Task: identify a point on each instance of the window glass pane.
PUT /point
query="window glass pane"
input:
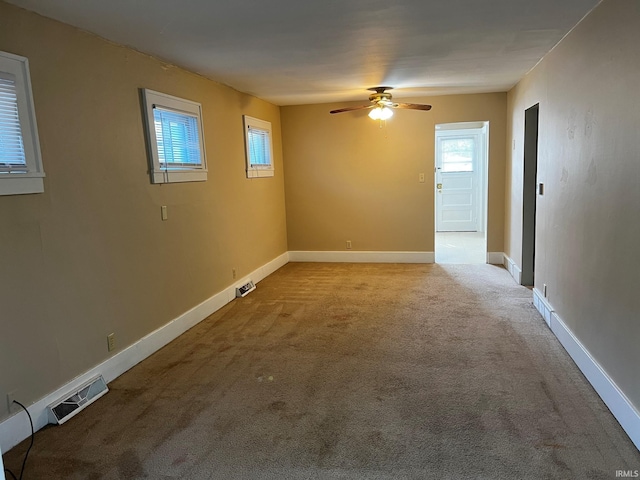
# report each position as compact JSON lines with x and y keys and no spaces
{"x":457,"y":154}
{"x":12,"y":157}
{"x":177,"y":138}
{"x":259,"y":148}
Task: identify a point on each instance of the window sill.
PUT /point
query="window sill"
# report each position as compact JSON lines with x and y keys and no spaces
{"x":260,"y":173}
{"x":178,"y":176}
{"x":16,"y":184}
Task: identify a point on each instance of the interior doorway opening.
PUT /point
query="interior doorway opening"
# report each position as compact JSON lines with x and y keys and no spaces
{"x":461,"y":182}
{"x":529,"y":187}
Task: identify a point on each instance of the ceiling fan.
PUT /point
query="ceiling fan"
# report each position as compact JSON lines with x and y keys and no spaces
{"x":381,"y":104}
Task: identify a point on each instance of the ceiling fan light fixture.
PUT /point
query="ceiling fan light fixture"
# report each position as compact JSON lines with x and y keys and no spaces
{"x":381,"y":105}
{"x":381,"y":113}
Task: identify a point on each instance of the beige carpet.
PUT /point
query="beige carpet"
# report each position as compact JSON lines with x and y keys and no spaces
{"x":343,"y":371}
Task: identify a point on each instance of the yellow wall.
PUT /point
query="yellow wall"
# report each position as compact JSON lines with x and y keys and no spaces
{"x":349,"y":179}
{"x":91,"y":255}
{"x":587,"y":225}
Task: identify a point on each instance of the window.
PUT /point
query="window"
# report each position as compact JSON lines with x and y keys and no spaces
{"x":20,"y":161}
{"x":259,"y":147}
{"x":457,"y":154}
{"x":175,"y":138}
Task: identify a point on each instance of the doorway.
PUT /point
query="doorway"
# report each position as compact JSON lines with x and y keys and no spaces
{"x":461,"y":192}
{"x":529,"y":187}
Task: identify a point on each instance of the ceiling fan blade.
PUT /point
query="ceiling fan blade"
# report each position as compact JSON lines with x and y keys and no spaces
{"x":350,"y":109}
{"x":413,"y":106}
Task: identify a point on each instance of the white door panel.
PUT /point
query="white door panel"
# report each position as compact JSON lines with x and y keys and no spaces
{"x":453,"y":201}
{"x":453,"y":216}
{"x":459,"y":181}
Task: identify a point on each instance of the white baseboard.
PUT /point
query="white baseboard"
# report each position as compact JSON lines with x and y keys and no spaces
{"x":542,"y":306}
{"x":16,"y":428}
{"x":620,"y":406}
{"x":362,"y":257}
{"x":495,"y":258}
{"x":513,"y":269}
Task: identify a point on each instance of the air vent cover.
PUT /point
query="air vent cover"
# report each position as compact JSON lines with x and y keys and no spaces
{"x":244,"y":290}
{"x":73,"y":402}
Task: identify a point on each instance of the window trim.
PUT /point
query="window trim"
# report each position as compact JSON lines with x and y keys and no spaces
{"x":258,"y":171}
{"x":31,"y":181}
{"x":178,"y":174}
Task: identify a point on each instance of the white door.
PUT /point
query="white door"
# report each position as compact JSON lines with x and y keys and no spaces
{"x":457,"y":180}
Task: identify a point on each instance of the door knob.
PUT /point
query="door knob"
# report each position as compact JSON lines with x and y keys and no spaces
{"x":439,"y":186}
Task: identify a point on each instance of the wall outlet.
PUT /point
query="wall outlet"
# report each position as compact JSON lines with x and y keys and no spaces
{"x":233,"y":272}
{"x":348,"y":244}
{"x":111,"y":342}
{"x":11,"y":396}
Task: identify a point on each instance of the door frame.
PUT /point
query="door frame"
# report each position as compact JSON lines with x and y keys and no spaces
{"x":483,"y":170}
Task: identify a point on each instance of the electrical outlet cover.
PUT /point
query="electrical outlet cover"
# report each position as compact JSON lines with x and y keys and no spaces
{"x":11,"y":396}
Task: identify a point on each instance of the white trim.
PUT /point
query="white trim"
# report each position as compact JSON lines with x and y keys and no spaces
{"x":362,"y":257}
{"x":16,"y":428}
{"x":460,"y":126}
{"x":178,"y":176}
{"x":495,"y":258}
{"x":255,"y":172}
{"x":20,"y":185}
{"x":542,"y":306}
{"x":513,"y":269}
{"x":620,"y":406}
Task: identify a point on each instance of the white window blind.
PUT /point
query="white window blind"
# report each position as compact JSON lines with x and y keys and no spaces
{"x":177,"y":139}
{"x":12,"y":156}
{"x":259,"y":146}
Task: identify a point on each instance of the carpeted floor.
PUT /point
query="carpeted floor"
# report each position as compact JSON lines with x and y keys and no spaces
{"x":350,"y":371}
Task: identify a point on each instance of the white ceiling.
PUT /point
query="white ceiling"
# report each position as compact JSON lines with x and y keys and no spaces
{"x":302,"y":51}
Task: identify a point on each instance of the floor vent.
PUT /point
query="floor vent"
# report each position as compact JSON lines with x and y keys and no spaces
{"x":73,"y":402}
{"x":243,"y":290}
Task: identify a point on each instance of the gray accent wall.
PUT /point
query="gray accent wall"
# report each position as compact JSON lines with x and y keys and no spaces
{"x":588,"y":220}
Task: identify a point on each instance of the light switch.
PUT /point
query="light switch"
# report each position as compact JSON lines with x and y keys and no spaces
{"x":163,"y":209}
{"x":421,"y":177}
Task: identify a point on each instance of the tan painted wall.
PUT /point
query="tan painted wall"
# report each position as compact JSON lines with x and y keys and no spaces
{"x":588,"y":221}
{"x":348,"y":179}
{"x":91,"y":255}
